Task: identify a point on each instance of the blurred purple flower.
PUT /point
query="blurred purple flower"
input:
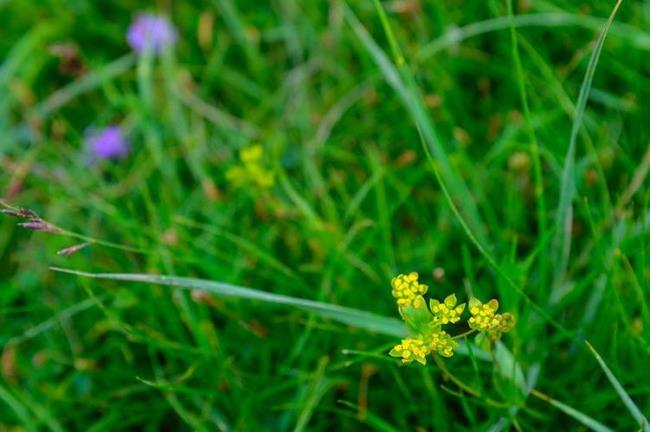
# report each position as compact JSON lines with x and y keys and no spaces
{"x":151,"y":31}
{"x":108,"y":143}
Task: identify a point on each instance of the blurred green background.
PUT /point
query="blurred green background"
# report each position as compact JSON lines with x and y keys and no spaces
{"x":486,"y":99}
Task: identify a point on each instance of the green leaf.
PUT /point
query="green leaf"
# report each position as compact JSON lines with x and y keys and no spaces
{"x":509,"y":368}
{"x":483,"y":342}
{"x":417,"y":320}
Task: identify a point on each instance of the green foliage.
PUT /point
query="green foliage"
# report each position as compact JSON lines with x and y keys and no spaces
{"x":501,"y":149}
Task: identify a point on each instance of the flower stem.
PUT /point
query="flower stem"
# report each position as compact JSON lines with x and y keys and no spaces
{"x":462,"y":335}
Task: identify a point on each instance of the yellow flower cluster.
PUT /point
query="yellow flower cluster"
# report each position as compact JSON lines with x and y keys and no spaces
{"x":447,"y":312}
{"x":419,"y":347}
{"x":411,"y":349}
{"x":425,"y":324}
{"x":408,"y":291}
{"x":506,"y":323}
{"x":251,"y":170}
{"x":443,"y":343}
{"x":484,"y":317}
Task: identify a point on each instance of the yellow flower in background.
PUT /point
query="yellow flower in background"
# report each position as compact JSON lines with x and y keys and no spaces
{"x":251,"y":171}
{"x":411,"y":349}
{"x":447,"y":312}
{"x":408,"y":291}
{"x":252,"y":154}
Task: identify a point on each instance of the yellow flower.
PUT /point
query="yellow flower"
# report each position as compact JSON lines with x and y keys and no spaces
{"x":252,"y":154}
{"x":446,"y":312}
{"x":237,"y":175}
{"x":411,"y":349}
{"x":506,"y":323}
{"x":442,"y":342}
{"x":408,"y":291}
{"x":484,"y":317}
{"x":251,"y":170}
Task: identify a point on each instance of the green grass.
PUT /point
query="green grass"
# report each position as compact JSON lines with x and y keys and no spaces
{"x":504,"y":142}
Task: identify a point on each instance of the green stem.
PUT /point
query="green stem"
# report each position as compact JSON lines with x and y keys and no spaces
{"x":466,"y":387}
{"x":467,"y":333}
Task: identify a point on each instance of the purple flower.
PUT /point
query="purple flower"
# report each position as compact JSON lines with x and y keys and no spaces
{"x":108,"y":143}
{"x":150,"y":31}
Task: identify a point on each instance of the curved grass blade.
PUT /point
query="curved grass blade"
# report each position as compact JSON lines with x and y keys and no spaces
{"x":21,"y":51}
{"x":78,"y":87}
{"x":627,"y":400}
{"x":371,"y":420}
{"x":564,"y":213}
{"x":18,"y":408}
{"x":572,"y":412}
{"x":400,"y":77}
{"x":55,"y":320}
{"x":317,"y":388}
{"x":635,"y":37}
{"x":242,"y":243}
{"x":353,"y":317}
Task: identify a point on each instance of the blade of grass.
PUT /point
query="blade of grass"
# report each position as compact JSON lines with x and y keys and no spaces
{"x":564,"y":214}
{"x":39,"y":412}
{"x":345,"y":315}
{"x":534,"y":145}
{"x":21,"y":412}
{"x":242,"y":243}
{"x":314,"y":392}
{"x":55,"y":320}
{"x":78,"y":87}
{"x":400,"y":77}
{"x":21,"y":52}
{"x":627,"y":400}
{"x":237,"y":28}
{"x":572,"y":412}
{"x":371,"y":420}
{"x":455,"y":35}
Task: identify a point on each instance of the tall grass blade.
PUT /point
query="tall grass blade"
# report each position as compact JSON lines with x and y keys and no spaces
{"x":627,"y":400}
{"x":572,"y":412}
{"x":534,"y":145}
{"x":634,"y":37}
{"x":401,"y":79}
{"x":83,"y":85}
{"x":18,"y":408}
{"x":20,"y":53}
{"x":315,"y":391}
{"x":564,"y":213}
{"x":345,"y":315}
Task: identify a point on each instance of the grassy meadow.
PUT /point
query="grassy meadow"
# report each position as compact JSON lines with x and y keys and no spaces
{"x":284,"y":161}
